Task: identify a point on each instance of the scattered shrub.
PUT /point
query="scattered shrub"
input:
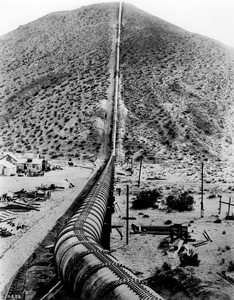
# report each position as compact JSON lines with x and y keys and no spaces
{"x":163,"y":244}
{"x":231,"y":266}
{"x":146,"y":199}
{"x":172,"y":279}
{"x":166,"y":266}
{"x":182,"y":202}
{"x":211,"y":196}
{"x":190,"y":259}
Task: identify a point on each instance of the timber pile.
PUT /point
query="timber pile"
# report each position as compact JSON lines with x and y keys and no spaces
{"x":18,"y":202}
{"x":23,"y":200}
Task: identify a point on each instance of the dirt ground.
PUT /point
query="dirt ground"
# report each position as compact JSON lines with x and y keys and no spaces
{"x":15,"y":249}
{"x":142,"y":254}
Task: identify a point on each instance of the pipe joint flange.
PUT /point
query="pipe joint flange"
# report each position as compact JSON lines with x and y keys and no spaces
{"x":111,"y":286}
{"x":88,"y":273}
{"x":74,"y":265}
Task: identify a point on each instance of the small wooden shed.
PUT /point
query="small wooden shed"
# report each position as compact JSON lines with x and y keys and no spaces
{"x":7,"y":168}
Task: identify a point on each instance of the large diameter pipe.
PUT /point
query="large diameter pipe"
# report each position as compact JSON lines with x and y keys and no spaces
{"x":87,"y":270}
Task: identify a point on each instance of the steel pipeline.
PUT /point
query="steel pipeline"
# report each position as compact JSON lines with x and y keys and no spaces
{"x":88,"y":271}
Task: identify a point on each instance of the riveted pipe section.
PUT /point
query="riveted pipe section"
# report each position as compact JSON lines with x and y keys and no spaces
{"x":87,"y":270}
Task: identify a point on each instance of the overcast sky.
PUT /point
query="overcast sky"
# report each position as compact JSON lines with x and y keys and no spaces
{"x":213,"y":18}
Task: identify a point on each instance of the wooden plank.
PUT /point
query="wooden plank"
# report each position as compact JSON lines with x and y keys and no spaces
{"x":207,"y":236}
{"x":8,"y":219}
{"x":227,"y":203}
{"x":200,"y":244}
{"x":116,"y":226}
{"x":120,"y":233}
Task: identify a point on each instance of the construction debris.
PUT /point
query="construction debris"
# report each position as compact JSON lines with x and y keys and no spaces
{"x":4,"y":232}
{"x":207,"y":236}
{"x":21,"y":201}
{"x":6,"y":216}
{"x":50,"y":187}
{"x":71,"y":185}
{"x":226,"y":277}
{"x":119,"y":229}
{"x":204,"y":242}
{"x":201,"y":243}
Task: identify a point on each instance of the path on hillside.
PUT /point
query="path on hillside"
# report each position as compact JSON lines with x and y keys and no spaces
{"x":113,"y":90}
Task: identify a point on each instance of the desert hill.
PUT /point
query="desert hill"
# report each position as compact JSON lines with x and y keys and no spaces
{"x":55,"y":82}
{"x":57,"y":78}
{"x":178,"y":90}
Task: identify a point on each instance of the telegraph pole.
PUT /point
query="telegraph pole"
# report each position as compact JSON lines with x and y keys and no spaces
{"x":139,"y":179}
{"x":202,"y":191}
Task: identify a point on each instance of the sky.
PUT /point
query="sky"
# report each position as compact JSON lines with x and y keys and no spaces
{"x":212,"y":18}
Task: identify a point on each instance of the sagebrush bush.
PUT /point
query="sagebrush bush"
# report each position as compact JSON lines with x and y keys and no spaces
{"x":190,"y":259}
{"x":166,"y":266}
{"x":181,"y":202}
{"x":164,"y":243}
{"x":231,"y":266}
{"x":146,"y":199}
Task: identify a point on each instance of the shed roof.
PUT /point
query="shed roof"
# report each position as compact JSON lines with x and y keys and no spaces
{"x":11,"y":154}
{"x":35,"y":161}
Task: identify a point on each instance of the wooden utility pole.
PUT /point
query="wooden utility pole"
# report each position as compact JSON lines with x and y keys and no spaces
{"x":139,"y":179}
{"x":202,"y":191}
{"x":127,"y":214}
{"x":220,"y":204}
{"x":229,"y":206}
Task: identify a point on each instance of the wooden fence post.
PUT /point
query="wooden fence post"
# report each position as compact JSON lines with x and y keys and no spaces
{"x":229,"y":206}
{"x":220,"y":204}
{"x":139,"y":179}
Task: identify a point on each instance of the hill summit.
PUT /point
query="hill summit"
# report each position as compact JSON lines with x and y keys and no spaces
{"x":57,"y":78}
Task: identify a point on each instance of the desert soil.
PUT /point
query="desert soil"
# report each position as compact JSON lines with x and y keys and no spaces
{"x":142,"y":254}
{"x":15,"y":250}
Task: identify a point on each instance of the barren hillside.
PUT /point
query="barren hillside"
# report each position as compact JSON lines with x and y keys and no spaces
{"x":57,"y":77}
{"x":178,"y":88}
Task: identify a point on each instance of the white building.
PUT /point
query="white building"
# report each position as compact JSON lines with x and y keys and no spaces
{"x":7,"y":168}
{"x":10,"y":157}
{"x":29,"y":165}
